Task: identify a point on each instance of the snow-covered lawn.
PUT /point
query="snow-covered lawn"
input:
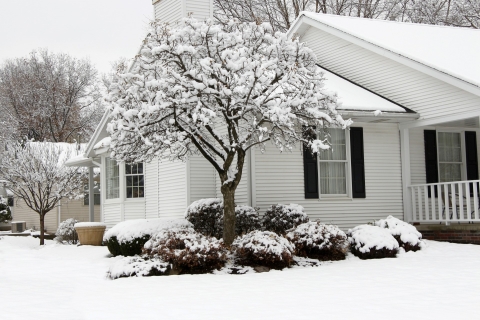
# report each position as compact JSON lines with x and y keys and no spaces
{"x":67,"y":282}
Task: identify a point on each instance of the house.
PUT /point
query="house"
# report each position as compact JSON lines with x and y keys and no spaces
{"x":413,"y":92}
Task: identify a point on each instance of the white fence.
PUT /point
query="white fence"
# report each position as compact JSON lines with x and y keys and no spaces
{"x":445,"y":202}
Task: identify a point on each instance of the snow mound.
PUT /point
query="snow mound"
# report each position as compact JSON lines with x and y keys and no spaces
{"x":365,"y":238}
{"x":405,"y":232}
{"x":89,"y":224}
{"x":131,"y":229}
{"x":137,"y":266}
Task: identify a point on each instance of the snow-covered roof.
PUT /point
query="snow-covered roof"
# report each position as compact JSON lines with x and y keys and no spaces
{"x":353,"y":97}
{"x":104,"y":143}
{"x":451,"y":50}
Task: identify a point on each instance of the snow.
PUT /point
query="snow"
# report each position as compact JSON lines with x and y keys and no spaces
{"x":89,"y":224}
{"x":131,"y":229}
{"x":442,"y":281}
{"x":451,"y":50}
{"x":104,"y":143}
{"x":353,"y":97}
{"x":265,"y":241}
{"x":397,"y":227}
{"x":366,"y":237}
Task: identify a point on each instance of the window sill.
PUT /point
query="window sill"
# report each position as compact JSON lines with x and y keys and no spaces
{"x":334,"y":198}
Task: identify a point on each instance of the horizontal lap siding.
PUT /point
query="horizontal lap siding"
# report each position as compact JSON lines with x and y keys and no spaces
{"x":200,"y":8}
{"x":134,"y":209}
{"x":202,"y":179}
{"x":168,"y":10}
{"x":77,"y":210}
{"x":112,"y":214}
{"x":279,"y":179}
{"x":172,"y":189}
{"x":23,"y":213}
{"x":413,"y":89}
{"x":241,"y":194}
{"x":151,"y":189}
{"x":417,"y":156}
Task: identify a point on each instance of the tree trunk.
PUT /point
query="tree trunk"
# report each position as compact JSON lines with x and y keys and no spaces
{"x":228,"y":215}
{"x":42,"y":228}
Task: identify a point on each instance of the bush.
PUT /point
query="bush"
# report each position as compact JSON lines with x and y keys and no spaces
{"x":128,"y":237}
{"x":5,"y":213}
{"x":319,"y":241}
{"x":371,"y":242}
{"x":66,"y":232}
{"x":206,"y":216}
{"x":138,"y":266}
{"x":406,"y":235}
{"x":279,"y":218}
{"x":187,"y":250}
{"x":263,"y":248}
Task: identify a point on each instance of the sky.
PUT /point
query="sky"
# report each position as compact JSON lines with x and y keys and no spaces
{"x":100,"y":30}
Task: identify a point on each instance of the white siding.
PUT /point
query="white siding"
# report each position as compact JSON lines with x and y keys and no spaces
{"x":168,"y":10}
{"x":112,"y":213}
{"x":241,"y":194}
{"x":77,"y":210}
{"x":200,"y":9}
{"x":172,"y":186}
{"x":279,"y":179}
{"x":134,"y":209}
{"x":151,"y":189}
{"x":202,"y":179}
{"x":417,"y":156}
{"x":23,"y":213}
{"x":413,"y":89}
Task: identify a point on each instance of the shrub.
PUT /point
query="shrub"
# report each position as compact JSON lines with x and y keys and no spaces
{"x":371,"y":242}
{"x":279,"y":218}
{"x":138,"y":266}
{"x":5,"y":213}
{"x":319,"y":241}
{"x":263,"y":248}
{"x":187,"y":250}
{"x":66,"y":232}
{"x":206,"y":216}
{"x":406,"y":235}
{"x":128,"y":237}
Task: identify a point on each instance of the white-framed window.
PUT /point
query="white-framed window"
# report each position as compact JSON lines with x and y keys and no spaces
{"x":450,"y":156}
{"x":134,"y":181}
{"x":112,"y":176}
{"x":334,"y":164}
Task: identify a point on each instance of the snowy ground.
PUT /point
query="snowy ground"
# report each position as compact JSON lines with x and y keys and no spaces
{"x":68,"y":282}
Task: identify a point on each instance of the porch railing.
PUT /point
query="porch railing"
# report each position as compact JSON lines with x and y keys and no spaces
{"x":445,"y":202}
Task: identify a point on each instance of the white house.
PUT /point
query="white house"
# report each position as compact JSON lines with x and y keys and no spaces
{"x":413,"y":92}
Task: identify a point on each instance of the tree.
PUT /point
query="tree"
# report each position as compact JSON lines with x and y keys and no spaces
{"x":218,"y":91}
{"x":36,"y":174}
{"x":49,"y":97}
{"x":5,"y":213}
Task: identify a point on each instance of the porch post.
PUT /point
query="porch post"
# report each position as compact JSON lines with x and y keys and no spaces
{"x":91,"y":195}
{"x":406,"y":173}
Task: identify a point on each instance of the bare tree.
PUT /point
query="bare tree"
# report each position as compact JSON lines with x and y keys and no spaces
{"x":36,"y":174}
{"x":51,"y":97}
{"x":218,"y":91}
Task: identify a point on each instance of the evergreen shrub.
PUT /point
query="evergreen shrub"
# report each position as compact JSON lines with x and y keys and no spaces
{"x":372,"y":242}
{"x":280,"y":217}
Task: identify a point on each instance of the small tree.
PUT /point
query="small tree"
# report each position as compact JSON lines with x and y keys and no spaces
{"x":5,"y":213}
{"x":36,"y":174}
{"x":218,"y":91}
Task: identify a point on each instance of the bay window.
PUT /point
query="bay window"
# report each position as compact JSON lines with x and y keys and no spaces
{"x":112,"y":176}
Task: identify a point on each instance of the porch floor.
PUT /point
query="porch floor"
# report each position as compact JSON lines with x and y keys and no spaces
{"x":456,"y":233}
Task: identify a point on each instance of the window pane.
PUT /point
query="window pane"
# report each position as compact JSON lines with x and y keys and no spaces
{"x":333,"y":178}
{"x":140,"y":168}
{"x":128,"y":169}
{"x":129,"y":192}
{"x":129,"y":181}
{"x":450,"y":172}
{"x":113,"y":179}
{"x":338,"y":142}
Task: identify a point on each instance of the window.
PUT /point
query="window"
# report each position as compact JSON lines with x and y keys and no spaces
{"x":134,"y":180}
{"x":333,"y":164}
{"x":450,"y":156}
{"x":112,"y":179}
{"x":96,"y":193}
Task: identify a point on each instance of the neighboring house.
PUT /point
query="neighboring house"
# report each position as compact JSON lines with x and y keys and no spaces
{"x":413,"y":92}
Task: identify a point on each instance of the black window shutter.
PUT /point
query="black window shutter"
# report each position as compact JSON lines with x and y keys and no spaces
{"x":310,"y":171}
{"x":431,"y":161}
{"x":472,"y":158}
{"x":358,"y":163}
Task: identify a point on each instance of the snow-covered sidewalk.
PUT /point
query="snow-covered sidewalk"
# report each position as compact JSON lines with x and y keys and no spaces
{"x":68,"y":282}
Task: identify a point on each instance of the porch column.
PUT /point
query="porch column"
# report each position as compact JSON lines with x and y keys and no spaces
{"x":406,"y":173}
{"x":91,"y":195}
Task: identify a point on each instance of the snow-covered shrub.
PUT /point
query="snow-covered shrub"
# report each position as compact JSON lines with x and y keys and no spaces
{"x":138,"y":266}
{"x":280,"y":217}
{"x":187,"y":250}
{"x":407,"y":235}
{"x":372,"y":242}
{"x":66,"y":232}
{"x":263,"y":248}
{"x":5,"y":213}
{"x":318,"y":241}
{"x":128,"y":237}
{"x":206,"y":215}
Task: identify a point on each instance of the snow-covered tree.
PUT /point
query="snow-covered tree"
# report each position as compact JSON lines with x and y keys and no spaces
{"x":5,"y":213}
{"x":35,"y":173}
{"x":218,"y":90}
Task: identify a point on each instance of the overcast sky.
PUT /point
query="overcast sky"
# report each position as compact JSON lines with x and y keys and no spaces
{"x":102,"y":30}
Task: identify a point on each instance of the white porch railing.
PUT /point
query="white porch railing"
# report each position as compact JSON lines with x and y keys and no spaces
{"x":445,"y":202}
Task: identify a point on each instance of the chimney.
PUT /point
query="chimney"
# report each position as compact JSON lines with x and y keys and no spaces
{"x":174,"y":10}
